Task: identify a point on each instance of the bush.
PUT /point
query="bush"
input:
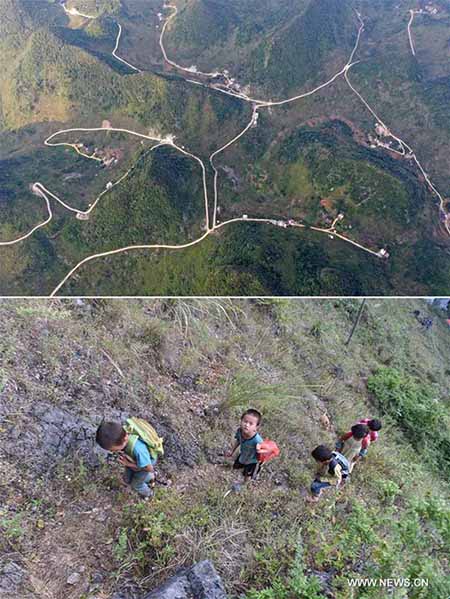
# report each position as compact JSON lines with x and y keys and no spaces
{"x":416,"y":409}
{"x":297,"y":584}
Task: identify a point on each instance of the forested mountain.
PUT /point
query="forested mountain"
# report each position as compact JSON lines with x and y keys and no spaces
{"x":70,"y":528}
{"x":276,"y":46}
{"x":321,"y":161}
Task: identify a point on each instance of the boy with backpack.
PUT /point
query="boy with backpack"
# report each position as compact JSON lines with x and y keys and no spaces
{"x":138,"y":446}
{"x":331,"y":464}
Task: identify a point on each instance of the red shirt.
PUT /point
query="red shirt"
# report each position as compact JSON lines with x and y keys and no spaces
{"x":371,"y":437}
{"x":373,"y":434}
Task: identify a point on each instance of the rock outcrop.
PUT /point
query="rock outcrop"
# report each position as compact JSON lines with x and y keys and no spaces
{"x":199,"y":582}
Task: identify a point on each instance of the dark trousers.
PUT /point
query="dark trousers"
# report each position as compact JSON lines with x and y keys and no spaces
{"x":248,"y":470}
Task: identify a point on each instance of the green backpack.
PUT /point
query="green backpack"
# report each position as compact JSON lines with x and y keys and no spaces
{"x":138,"y":428}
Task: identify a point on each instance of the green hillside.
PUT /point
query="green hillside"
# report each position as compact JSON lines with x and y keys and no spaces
{"x":95,"y":7}
{"x":57,"y":82}
{"x":192,"y":367}
{"x":309,"y":160}
{"x":261,"y":42}
{"x":52,"y":80}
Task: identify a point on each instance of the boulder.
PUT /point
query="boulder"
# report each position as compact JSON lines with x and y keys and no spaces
{"x":199,"y":582}
{"x":51,"y":434}
{"x":205,"y":582}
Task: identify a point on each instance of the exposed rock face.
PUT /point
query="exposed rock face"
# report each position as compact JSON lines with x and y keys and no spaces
{"x":51,"y":434}
{"x":205,"y":582}
{"x":13,"y":580}
{"x":199,"y":582}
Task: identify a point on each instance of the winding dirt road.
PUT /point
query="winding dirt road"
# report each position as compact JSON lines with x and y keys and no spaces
{"x":230,"y":89}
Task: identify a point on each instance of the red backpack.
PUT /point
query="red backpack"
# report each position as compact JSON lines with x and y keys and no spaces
{"x":270,"y":449}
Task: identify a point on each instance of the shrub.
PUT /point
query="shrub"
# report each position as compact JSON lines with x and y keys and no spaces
{"x":297,"y":584}
{"x":387,"y":490}
{"x":416,"y":409}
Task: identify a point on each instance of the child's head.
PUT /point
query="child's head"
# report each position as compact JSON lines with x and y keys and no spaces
{"x":111,"y":436}
{"x":322,"y":453}
{"x":249,"y":422}
{"x":359,"y":431}
{"x":374,"y":424}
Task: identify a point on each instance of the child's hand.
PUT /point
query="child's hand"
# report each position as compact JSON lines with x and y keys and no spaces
{"x":124,"y":460}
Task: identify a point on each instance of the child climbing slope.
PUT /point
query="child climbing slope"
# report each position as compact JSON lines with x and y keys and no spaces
{"x":349,"y":440}
{"x":330,"y":464}
{"x":249,"y":442}
{"x":138,"y":445}
{"x":353,"y":443}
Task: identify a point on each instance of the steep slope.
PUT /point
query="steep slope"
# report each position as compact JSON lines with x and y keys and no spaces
{"x":203,"y":24}
{"x":300,"y":52}
{"x":70,"y":529}
{"x":15,"y":23}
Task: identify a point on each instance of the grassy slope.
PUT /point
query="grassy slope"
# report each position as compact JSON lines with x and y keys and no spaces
{"x":289,"y":359}
{"x":75,"y":84}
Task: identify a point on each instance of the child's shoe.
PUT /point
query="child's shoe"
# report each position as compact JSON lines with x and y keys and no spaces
{"x":146,"y":493}
{"x":236,"y":487}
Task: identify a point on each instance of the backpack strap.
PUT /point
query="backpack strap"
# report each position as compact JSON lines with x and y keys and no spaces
{"x":147,"y":434}
{"x":132,"y":439}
